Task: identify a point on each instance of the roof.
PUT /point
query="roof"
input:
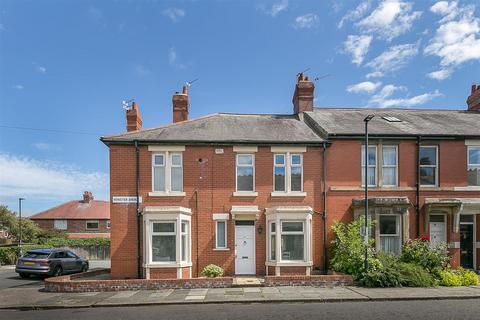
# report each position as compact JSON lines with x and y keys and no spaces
{"x":227,"y":128}
{"x":414,"y":122}
{"x":77,"y":210}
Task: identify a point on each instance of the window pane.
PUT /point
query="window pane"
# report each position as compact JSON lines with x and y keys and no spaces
{"x":474,"y":176}
{"x":389,"y":156}
{"x":184,"y":248}
{"x":245,"y":178}
{"x":245,"y":159}
{"x":390,"y":244}
{"x":466,"y":218}
{"x":280,"y":179}
{"x":159,"y":179}
{"x":474,"y":155}
{"x":296,"y":177}
{"x":163,"y":248}
{"x":92,"y":224}
{"x":177,"y":179}
{"x":184,"y":227}
{"x":176,"y":160}
{"x":388,"y":224}
{"x":296,"y":159}
{"x":292,"y":226}
{"x":221,"y":241}
{"x":280,"y":159}
{"x":272,"y":227}
{"x":292,"y":247}
{"x":372,"y":172}
{"x":427,"y":176}
{"x":390,"y":176}
{"x":372,"y":155}
{"x":428,"y":156}
{"x":272,"y":246}
{"x":164,"y":227}
{"x":159,"y":160}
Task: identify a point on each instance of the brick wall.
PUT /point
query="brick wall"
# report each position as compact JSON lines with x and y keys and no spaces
{"x":74,"y":226}
{"x":314,"y":281}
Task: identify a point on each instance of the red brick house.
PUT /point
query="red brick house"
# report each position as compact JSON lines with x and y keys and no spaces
{"x":87,"y":218}
{"x":257,"y":194}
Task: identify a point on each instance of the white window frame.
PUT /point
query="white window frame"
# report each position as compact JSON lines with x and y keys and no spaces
{"x":108,"y":224}
{"x":370,"y":166}
{"x":216,"y":235}
{"x":174,"y":233}
{"x":269,"y":240}
{"x":469,"y":165}
{"x":63,"y":222}
{"x":288,"y":171}
{"x":390,"y":166}
{"x":398,"y":230}
{"x":247,"y":166}
{"x":167,"y":163}
{"x":431,"y":166}
{"x":185,"y":233}
{"x":292,"y":233}
{"x":92,"y":221}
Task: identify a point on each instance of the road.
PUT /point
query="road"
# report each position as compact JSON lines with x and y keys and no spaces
{"x":398,"y":310}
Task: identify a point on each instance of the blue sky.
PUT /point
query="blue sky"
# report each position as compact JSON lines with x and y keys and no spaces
{"x":67,"y":65}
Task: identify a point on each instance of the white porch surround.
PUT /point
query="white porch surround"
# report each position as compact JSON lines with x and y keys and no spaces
{"x":245,"y":212}
{"x":289,"y":213}
{"x":453,"y":206}
{"x":175,"y":214}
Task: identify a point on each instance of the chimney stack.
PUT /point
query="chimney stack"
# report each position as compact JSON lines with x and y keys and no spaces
{"x":134,"y":119}
{"x":303,"y":95}
{"x":180,"y":105}
{"x":87,"y":197}
{"x":473,"y":100}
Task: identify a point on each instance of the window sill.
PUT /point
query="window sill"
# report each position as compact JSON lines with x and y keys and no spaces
{"x":166,"y":194}
{"x":289,"y":264}
{"x":221,"y":249}
{"x":245,"y":194}
{"x":288,"y":194}
{"x":467,"y":188}
{"x":167,"y":264}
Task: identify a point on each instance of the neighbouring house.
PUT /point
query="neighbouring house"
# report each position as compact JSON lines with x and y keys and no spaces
{"x":257,"y":194}
{"x":86,"y":218}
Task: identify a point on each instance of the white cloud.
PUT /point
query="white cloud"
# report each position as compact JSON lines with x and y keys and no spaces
{"x":41,"y":69}
{"x":457,"y":39}
{"x":275,"y":9}
{"x":356,"y":13}
{"x":18,"y":87}
{"x":306,"y":21}
{"x":95,"y":13}
{"x":172,"y":56}
{"x":46,"y":180}
{"x":358,"y":47}
{"x":384,"y":98}
{"x":392,"y":59}
{"x":141,"y":70}
{"x":174,"y":14}
{"x":374,"y":74}
{"x":44,"y":146}
{"x":390,"y":19}
{"x":366,"y":86}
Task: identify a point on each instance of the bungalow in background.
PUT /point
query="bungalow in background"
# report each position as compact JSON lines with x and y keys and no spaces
{"x":87,"y":218}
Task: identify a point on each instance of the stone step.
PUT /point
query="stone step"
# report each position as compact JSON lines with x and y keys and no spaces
{"x":241,"y":282}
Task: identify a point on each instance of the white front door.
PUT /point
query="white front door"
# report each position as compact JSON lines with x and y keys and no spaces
{"x":244,"y":249}
{"x":437,"y":229}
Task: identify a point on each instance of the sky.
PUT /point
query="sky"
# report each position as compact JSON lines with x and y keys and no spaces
{"x":66,"y":66}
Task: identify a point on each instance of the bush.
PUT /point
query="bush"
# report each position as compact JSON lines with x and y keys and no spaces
{"x":9,"y":255}
{"x":212,"y":271}
{"x":414,"y":275}
{"x":349,"y":249}
{"x":77,"y":242}
{"x":420,"y":252}
{"x":458,"y":277}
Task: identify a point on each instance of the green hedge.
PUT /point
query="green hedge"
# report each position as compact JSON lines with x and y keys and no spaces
{"x":9,"y":255}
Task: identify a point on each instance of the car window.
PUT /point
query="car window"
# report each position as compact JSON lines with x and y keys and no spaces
{"x":71,"y":255}
{"x":60,"y":255}
{"x":36,"y":255}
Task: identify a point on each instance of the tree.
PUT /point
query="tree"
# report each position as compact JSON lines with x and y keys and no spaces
{"x":10,"y":222}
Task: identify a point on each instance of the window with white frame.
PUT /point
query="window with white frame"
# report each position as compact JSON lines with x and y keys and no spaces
{"x":109,"y":224}
{"x":389,"y":166}
{"x":167,"y":172}
{"x":92,"y":224}
{"x":428,"y":166}
{"x":288,"y":172}
{"x":245,"y":172}
{"x":293,"y":240}
{"x":60,"y":224}
{"x":474,"y":165}
{"x":220,"y":234}
{"x":185,"y":249}
{"x":164,"y":241}
{"x":390,"y":233}
{"x":372,"y":166}
{"x":272,"y":241}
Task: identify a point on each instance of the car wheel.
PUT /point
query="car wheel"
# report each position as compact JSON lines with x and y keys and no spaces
{"x":85,"y":268}
{"x":57,"y":271}
{"x":24,"y":275}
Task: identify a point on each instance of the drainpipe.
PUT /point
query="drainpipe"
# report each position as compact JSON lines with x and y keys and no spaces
{"x":417,"y":189}
{"x":139,"y":216}
{"x":324,"y":214}
{"x":196,"y":231}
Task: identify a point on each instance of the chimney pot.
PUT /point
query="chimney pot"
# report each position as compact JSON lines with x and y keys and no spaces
{"x":87,"y":197}
{"x":473,"y":100}
{"x":303,"y":95}
{"x":134,"y":119}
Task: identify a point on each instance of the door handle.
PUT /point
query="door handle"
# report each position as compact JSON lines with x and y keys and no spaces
{"x":244,"y":257}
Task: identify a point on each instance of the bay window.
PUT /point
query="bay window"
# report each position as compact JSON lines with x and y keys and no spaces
{"x":390,"y":233}
{"x":474,"y":165}
{"x":288,"y":172}
{"x":272,"y":242}
{"x":428,"y":166}
{"x":185,"y":252}
{"x":164,"y":242}
{"x":245,"y":169}
{"x":292,"y":235}
{"x":167,"y":172}
{"x":372,"y":166}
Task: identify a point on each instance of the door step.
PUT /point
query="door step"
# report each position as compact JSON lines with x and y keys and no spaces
{"x":247,"y":282}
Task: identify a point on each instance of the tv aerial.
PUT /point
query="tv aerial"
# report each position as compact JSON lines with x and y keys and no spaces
{"x":189,"y":83}
{"x":322,"y":77}
{"x":127,"y":104}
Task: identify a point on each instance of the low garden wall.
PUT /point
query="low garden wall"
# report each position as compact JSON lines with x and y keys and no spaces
{"x":335,"y":280}
{"x":81,"y":283}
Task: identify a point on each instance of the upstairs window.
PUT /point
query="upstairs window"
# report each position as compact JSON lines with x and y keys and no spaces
{"x":288,"y":172}
{"x":389,"y":166}
{"x":428,"y":166}
{"x":245,"y":172}
{"x":474,"y":166}
{"x":167,"y":171}
{"x":372,"y":166}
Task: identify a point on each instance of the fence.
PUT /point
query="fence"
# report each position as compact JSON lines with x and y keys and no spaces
{"x":91,"y":253}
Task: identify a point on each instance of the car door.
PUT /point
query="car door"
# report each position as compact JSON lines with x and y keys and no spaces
{"x":76,"y":262}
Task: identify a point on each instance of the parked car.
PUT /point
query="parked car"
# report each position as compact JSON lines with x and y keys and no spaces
{"x":50,"y":262}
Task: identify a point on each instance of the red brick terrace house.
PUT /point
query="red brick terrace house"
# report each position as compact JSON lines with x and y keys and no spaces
{"x":87,"y":218}
{"x":257,"y":194}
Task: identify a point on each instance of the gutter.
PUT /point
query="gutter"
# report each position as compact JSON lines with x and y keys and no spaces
{"x":139,"y":215}
{"x":324,"y":214}
{"x":417,"y":189}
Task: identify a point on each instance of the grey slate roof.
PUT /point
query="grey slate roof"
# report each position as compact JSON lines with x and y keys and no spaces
{"x":424,"y":122}
{"x":227,"y":128}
